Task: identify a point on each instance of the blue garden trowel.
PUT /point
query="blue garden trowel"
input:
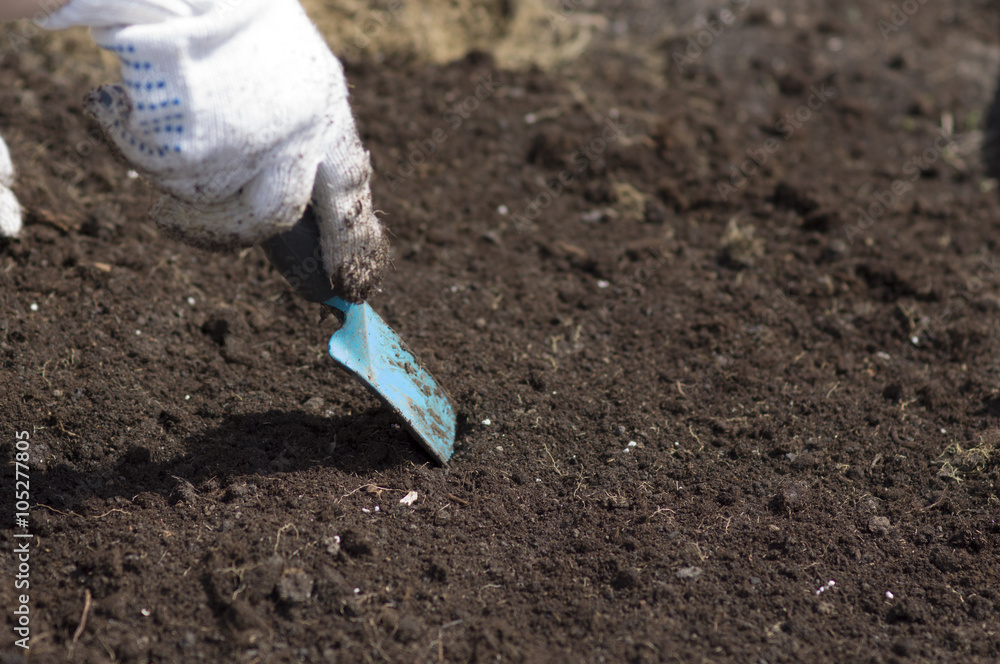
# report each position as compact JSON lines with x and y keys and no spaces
{"x":366,"y":346}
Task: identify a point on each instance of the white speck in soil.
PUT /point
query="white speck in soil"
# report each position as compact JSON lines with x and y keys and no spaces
{"x":822,"y":589}
{"x":332,"y":544}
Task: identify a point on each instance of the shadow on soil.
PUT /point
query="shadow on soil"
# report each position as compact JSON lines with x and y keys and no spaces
{"x":258,"y":444}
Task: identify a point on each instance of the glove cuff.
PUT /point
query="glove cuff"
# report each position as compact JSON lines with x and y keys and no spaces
{"x":355,"y":248}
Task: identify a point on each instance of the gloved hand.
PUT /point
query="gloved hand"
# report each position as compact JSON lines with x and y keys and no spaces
{"x":237,"y":111}
{"x":10,"y":210}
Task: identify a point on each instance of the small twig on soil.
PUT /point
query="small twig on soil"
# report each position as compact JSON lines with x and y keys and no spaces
{"x":695,"y":436}
{"x":66,"y":431}
{"x":439,"y":642}
{"x":558,"y":472}
{"x":60,"y":221}
{"x":52,"y":509}
{"x":479,"y":595}
{"x":545,"y":114}
{"x":107,"y":648}
{"x":554,"y":340}
{"x":371,"y":631}
{"x":101,"y":516}
{"x":458,"y":500}
{"x":934,"y":504}
{"x":370,"y":488}
{"x":277,"y":540}
{"x":83,"y":622}
{"x":662,"y":509}
{"x":580,"y":97}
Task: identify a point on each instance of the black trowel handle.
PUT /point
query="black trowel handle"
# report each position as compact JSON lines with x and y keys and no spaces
{"x":297,"y":255}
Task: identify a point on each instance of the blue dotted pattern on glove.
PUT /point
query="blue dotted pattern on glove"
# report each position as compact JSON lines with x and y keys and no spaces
{"x":162,"y":111}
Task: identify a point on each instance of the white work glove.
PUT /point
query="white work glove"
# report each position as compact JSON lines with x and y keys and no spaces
{"x":237,"y":111}
{"x":10,"y":210}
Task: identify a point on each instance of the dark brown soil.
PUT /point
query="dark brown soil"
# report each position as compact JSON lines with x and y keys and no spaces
{"x":704,"y":416}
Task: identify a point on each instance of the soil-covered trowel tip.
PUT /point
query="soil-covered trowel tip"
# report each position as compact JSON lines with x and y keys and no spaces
{"x":365,"y":346}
